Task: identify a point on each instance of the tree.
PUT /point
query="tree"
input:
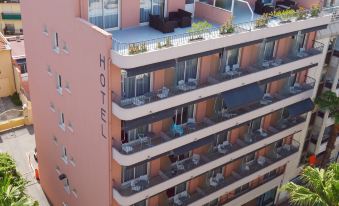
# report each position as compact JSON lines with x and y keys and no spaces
{"x":320,"y":187}
{"x":12,"y":185}
{"x":329,"y":101}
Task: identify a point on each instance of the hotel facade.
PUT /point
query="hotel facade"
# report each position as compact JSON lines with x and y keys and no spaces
{"x":133,"y":105}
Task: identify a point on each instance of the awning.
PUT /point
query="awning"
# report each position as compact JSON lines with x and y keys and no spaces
{"x":300,"y":108}
{"x":281,"y":36}
{"x":243,"y":95}
{"x":288,"y":74}
{"x":131,"y":124}
{"x":193,"y":145}
{"x":193,"y":56}
{"x":317,"y":28}
{"x":150,"y":68}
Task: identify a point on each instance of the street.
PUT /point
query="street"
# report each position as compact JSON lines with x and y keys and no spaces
{"x":20,"y":144}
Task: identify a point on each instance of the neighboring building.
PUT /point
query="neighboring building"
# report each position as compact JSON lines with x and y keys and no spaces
{"x":10,"y":17}
{"x":127,"y":115}
{"x":13,"y":73}
{"x":321,"y":121}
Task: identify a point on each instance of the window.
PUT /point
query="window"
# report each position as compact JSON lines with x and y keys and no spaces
{"x":242,"y":188}
{"x":141,"y":203}
{"x":57,"y":169}
{"x":59,"y":84}
{"x":45,"y":30}
{"x":135,"y":86}
{"x":104,"y":13}
{"x":64,"y":154}
{"x":134,"y":134}
{"x":49,"y":70}
{"x":268,"y":50}
{"x":56,"y":42}
{"x":255,"y":125}
{"x":147,"y":7}
{"x":221,"y":137}
{"x":133,"y":172}
{"x":180,"y":188}
{"x":55,"y":140}
{"x":186,"y":71}
{"x":62,"y":121}
{"x":51,"y":106}
{"x":214,"y":172}
{"x":68,"y":87}
{"x":66,"y":185}
{"x":184,"y":114}
{"x":229,"y":58}
{"x":249,"y":158}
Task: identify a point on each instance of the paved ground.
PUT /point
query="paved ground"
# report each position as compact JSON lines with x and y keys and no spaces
{"x":20,"y":144}
{"x":8,"y":110}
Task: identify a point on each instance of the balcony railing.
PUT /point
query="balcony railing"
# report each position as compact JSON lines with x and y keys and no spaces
{"x":220,"y":77}
{"x":189,"y":37}
{"x":245,"y":171}
{"x":151,"y":140}
{"x":186,"y":165}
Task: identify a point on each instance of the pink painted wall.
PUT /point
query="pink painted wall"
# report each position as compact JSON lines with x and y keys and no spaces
{"x":309,"y":3}
{"x":211,"y":13}
{"x":91,"y":175}
{"x":130,"y":13}
{"x":174,"y":5}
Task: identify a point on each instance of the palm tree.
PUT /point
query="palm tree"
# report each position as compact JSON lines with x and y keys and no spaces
{"x":320,"y":187}
{"x":11,"y":195}
{"x":329,"y":101}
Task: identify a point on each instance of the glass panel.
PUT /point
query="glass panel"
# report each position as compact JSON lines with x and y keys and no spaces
{"x":225,"y":4}
{"x":158,"y":7}
{"x":141,"y":203}
{"x":183,"y":114}
{"x":111,"y":10}
{"x":186,"y":70}
{"x":95,"y":12}
{"x":249,"y":158}
{"x":135,"y":86}
{"x":137,"y":133}
{"x":145,"y":10}
{"x":141,"y":170}
{"x":232,"y":56}
{"x":269,"y":50}
{"x":128,"y":174}
{"x":180,"y":188}
{"x":255,"y":124}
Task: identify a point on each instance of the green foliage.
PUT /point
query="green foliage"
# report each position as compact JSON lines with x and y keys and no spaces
{"x":321,"y":187}
{"x":329,"y":101}
{"x":315,"y":10}
{"x":301,"y":13}
{"x":227,"y":27}
{"x":262,"y":21}
{"x":167,"y":43}
{"x":137,"y":48}
{"x":12,"y":185}
{"x":198,"y":29}
{"x":285,"y":15}
{"x":15,"y":98}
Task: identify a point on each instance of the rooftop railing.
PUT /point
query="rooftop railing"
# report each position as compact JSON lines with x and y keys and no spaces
{"x":132,"y":48}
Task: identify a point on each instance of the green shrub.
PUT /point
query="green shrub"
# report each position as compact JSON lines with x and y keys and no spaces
{"x":15,"y":98}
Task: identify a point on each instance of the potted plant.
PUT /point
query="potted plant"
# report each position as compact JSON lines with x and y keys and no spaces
{"x":301,"y":14}
{"x":136,"y":48}
{"x":227,"y":27}
{"x":315,"y":10}
{"x":262,"y":21}
{"x":167,"y":43}
{"x":198,"y":29}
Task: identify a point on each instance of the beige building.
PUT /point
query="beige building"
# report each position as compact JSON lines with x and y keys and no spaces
{"x":10,"y":17}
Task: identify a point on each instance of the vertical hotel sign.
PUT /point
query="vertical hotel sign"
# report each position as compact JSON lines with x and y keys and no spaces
{"x":103,"y":95}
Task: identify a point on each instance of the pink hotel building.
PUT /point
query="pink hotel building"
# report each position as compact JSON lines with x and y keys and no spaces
{"x":131,"y":107}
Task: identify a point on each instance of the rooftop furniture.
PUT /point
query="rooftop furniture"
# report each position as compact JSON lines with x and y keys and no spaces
{"x":162,"y":24}
{"x":181,"y":17}
{"x":177,"y":129}
{"x":263,"y":6}
{"x":195,"y":159}
{"x":287,"y":4}
{"x":163,"y":93}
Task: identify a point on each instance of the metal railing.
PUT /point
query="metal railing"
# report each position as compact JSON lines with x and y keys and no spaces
{"x":334,"y":11}
{"x":132,"y":48}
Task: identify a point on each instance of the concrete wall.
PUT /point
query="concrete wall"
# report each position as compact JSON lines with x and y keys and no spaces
{"x":7,"y":84}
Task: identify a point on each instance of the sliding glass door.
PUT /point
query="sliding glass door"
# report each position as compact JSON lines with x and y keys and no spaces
{"x":135,"y":86}
{"x":229,"y":58}
{"x":104,"y":13}
{"x":186,"y":70}
{"x":147,"y":7}
{"x":132,"y":172}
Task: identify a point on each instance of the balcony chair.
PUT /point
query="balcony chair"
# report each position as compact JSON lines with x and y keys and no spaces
{"x":144,"y":178}
{"x":191,"y":124}
{"x":261,"y":160}
{"x":219,"y":177}
{"x":221,"y":149}
{"x":134,"y":186}
{"x":177,"y":129}
{"x":162,"y":24}
{"x":127,"y":148}
{"x":179,"y":165}
{"x":195,"y":159}
{"x":164,"y":91}
{"x":245,"y":168}
{"x":138,"y":101}
{"x":192,"y":83}
{"x":176,"y":200}
{"x":213,"y":182}
{"x":262,"y":132}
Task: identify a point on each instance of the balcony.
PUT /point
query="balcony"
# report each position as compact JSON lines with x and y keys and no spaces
{"x":181,"y":43}
{"x":152,"y":146}
{"x":151,"y":102}
{"x":167,"y":178}
{"x":243,"y":176}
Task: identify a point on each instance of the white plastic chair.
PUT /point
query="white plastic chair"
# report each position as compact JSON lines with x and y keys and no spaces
{"x":164,"y":93}
{"x":219,"y":177}
{"x":236,"y":67}
{"x":261,"y":160}
{"x":221,"y":149}
{"x":227,"y":68}
{"x":144,"y":178}
{"x":213,"y":182}
{"x":195,"y":159}
{"x":127,"y":148}
{"x":176,"y":200}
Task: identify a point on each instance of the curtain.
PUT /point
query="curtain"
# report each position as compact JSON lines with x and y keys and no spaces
{"x":256,"y":124}
{"x":186,"y":70}
{"x":233,"y":56}
{"x":136,"y":86}
{"x":158,"y":7}
{"x":145,"y":10}
{"x":269,"y":50}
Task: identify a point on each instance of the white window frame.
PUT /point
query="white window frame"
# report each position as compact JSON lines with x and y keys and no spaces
{"x":67,"y":185}
{"x":64,"y":156}
{"x":59,"y":84}
{"x":62,"y":121}
{"x":56,"y":42}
